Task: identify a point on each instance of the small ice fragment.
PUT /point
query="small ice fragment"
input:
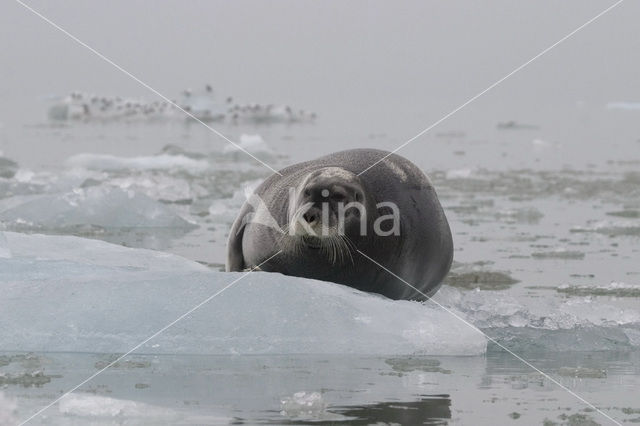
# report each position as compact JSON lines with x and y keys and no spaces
{"x":303,"y":404}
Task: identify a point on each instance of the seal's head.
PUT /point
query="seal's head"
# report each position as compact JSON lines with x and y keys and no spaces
{"x":327,"y":210}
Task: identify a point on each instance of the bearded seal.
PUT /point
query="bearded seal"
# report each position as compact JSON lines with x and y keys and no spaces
{"x":324,"y":215}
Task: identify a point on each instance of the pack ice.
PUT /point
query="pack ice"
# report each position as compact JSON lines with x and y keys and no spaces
{"x":62,"y":293}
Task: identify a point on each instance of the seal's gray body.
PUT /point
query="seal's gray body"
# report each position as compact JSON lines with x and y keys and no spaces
{"x":421,"y":255}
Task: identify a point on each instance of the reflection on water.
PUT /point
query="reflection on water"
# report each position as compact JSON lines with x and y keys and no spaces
{"x":430,"y":410}
{"x":323,"y":390}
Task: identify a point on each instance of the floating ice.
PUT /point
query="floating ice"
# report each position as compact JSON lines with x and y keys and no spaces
{"x":251,"y":143}
{"x":102,"y":206}
{"x":567,"y":325}
{"x":102,"y":406}
{"x":303,"y":403}
{"x":520,"y":215}
{"x":73,"y":294}
{"x":97,"y":409}
{"x":153,"y":162}
{"x":612,"y":229}
{"x":226,"y":209}
{"x":459,"y":173}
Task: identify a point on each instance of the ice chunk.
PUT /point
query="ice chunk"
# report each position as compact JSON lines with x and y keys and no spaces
{"x":73,"y":294}
{"x":102,"y":206}
{"x":459,"y":173}
{"x":303,"y":403}
{"x":226,"y":209}
{"x":102,"y":406}
{"x":152,"y":162}
{"x":548,"y":324}
{"x":161,"y":186}
{"x":494,"y":310}
{"x":612,"y":229}
{"x":251,"y":143}
{"x":97,"y":409}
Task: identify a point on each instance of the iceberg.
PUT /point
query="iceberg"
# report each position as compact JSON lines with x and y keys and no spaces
{"x":62,"y":293}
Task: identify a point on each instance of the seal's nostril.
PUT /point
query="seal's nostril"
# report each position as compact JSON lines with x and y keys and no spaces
{"x":309,"y":217}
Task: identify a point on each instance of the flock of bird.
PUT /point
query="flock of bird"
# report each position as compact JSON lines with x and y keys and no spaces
{"x":195,"y":105}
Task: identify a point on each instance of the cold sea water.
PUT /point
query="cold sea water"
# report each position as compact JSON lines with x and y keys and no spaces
{"x":115,"y":209}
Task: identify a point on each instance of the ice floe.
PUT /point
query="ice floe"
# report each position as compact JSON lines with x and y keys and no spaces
{"x":549,"y":324}
{"x":102,"y":406}
{"x":303,"y":404}
{"x":152,"y":162}
{"x":74,"y":294}
{"x":106,"y":298}
{"x":98,"y":206}
{"x":251,"y":143}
